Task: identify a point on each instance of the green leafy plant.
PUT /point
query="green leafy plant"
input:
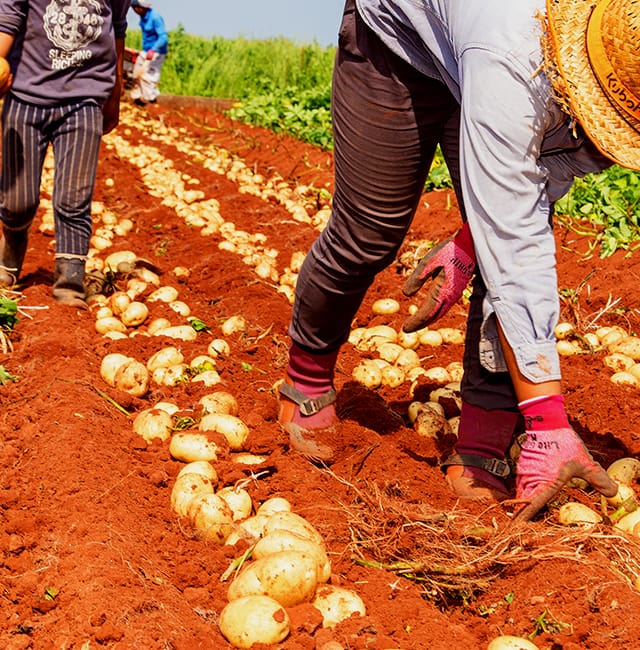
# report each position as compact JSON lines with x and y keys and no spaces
{"x":604,"y":207}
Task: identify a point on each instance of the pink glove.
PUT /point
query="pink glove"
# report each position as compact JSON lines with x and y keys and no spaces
{"x":150,"y":54}
{"x":450,"y":265}
{"x":553,"y":456}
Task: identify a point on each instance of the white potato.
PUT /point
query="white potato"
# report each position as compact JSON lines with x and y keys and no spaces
{"x":118,"y":302}
{"x":233,"y":324}
{"x":452,"y":335}
{"x":508,"y":642}
{"x":273,"y":505}
{"x":207,"y":377}
{"x":109,"y":366}
{"x":185,"y":488}
{"x":385,"y":306}
{"x":254,"y":619}
{"x":368,"y":374}
{"x":219,"y":402}
{"x":132,"y":377}
{"x":190,"y":447}
{"x":153,"y":424}
{"x":165,"y":358}
{"x":181,"y":332}
{"x":286,"y":540}
{"x":110,"y":324}
{"x":249,"y":530}
{"x":290,"y":577}
{"x":287,"y":520}
{"x":211,"y":517}
{"x":624,"y":470}
{"x":163,"y":294}
{"x":219,"y":348}
{"x":573,"y":513}
{"x":135,"y":314}
{"x":230,"y":426}
{"x":202,"y":467}
{"x":158,"y":324}
{"x":238,"y":500}
{"x":337,"y":604}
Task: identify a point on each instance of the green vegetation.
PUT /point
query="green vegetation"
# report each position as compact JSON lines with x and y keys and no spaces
{"x":286,"y":87}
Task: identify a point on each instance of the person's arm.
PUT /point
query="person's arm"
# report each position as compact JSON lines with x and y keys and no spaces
{"x":162,"y":38}
{"x":111,"y":108}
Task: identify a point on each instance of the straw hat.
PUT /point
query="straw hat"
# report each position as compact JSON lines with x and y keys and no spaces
{"x":592,"y":52}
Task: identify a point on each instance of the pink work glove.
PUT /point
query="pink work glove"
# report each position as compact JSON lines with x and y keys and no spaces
{"x":551,"y":455}
{"x":150,"y":54}
{"x":450,"y":265}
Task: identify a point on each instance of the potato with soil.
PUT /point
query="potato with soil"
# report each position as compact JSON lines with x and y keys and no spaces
{"x":290,"y":577}
{"x":254,"y":619}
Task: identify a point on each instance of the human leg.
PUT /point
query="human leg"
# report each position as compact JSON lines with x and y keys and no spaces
{"x":387,"y":120}
{"x":76,"y":143}
{"x":489,"y":418}
{"x":24,"y":146}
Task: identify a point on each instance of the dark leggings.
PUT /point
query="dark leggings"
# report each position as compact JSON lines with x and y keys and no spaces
{"x":388,"y":119}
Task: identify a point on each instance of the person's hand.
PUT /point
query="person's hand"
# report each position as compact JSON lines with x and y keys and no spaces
{"x":548,"y":461}
{"x":450,"y":266}
{"x":150,"y":54}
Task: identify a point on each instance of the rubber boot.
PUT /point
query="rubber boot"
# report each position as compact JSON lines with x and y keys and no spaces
{"x":13,"y":247}
{"x":68,"y":282}
{"x":478,"y":468}
{"x":307,"y":412}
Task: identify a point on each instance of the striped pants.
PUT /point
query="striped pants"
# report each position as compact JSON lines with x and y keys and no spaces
{"x":74,"y":131}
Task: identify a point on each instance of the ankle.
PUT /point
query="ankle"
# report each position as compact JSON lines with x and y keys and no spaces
{"x":310,"y":373}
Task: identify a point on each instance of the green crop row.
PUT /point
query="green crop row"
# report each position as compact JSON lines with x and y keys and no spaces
{"x":286,"y":87}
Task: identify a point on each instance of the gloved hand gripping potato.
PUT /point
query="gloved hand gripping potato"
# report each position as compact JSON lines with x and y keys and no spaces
{"x":450,"y":266}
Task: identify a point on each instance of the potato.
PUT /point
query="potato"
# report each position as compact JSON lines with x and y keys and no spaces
{"x":368,"y":374}
{"x":385,"y":306}
{"x":625,"y":379}
{"x":392,"y":376}
{"x":163,"y":294}
{"x":407,"y":360}
{"x":181,"y":332}
{"x":249,"y":530}
{"x":165,"y":358}
{"x":273,"y":505}
{"x":185,"y":488}
{"x":287,"y":520}
{"x":618,"y":362}
{"x":110,"y":324}
{"x":507,"y":642}
{"x":135,"y":314}
{"x":118,"y":302}
{"x":207,"y":377}
{"x":158,"y":324}
{"x":169,"y":407}
{"x":564,"y":330}
{"x":230,"y":426}
{"x":233,"y":324}
{"x":238,"y":500}
{"x":202,"y":467}
{"x":452,"y":335}
{"x":577,"y":514}
{"x":153,"y":424}
{"x":628,"y":346}
{"x":211,"y":517}
{"x":132,"y":377}
{"x":429,"y":423}
{"x":110,"y":365}
{"x":337,"y":604}
{"x":430,"y":337}
{"x":219,"y":348}
{"x":286,"y":540}
{"x":389,"y":351}
{"x":625,"y":493}
{"x":290,"y":577}
{"x":624,"y":470}
{"x":113,"y":260}
{"x":254,"y":619}
{"x":219,"y":402}
{"x":190,"y":447}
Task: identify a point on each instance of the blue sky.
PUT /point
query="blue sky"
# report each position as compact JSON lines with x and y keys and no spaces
{"x":302,"y":21}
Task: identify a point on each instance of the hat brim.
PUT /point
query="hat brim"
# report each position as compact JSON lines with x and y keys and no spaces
{"x":615,"y":135}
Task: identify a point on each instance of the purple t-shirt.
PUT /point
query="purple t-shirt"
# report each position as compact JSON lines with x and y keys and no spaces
{"x":64,"y":50}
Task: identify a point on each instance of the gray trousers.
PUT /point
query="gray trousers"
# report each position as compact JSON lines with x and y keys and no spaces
{"x":388,"y":120}
{"x":74,"y":131}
